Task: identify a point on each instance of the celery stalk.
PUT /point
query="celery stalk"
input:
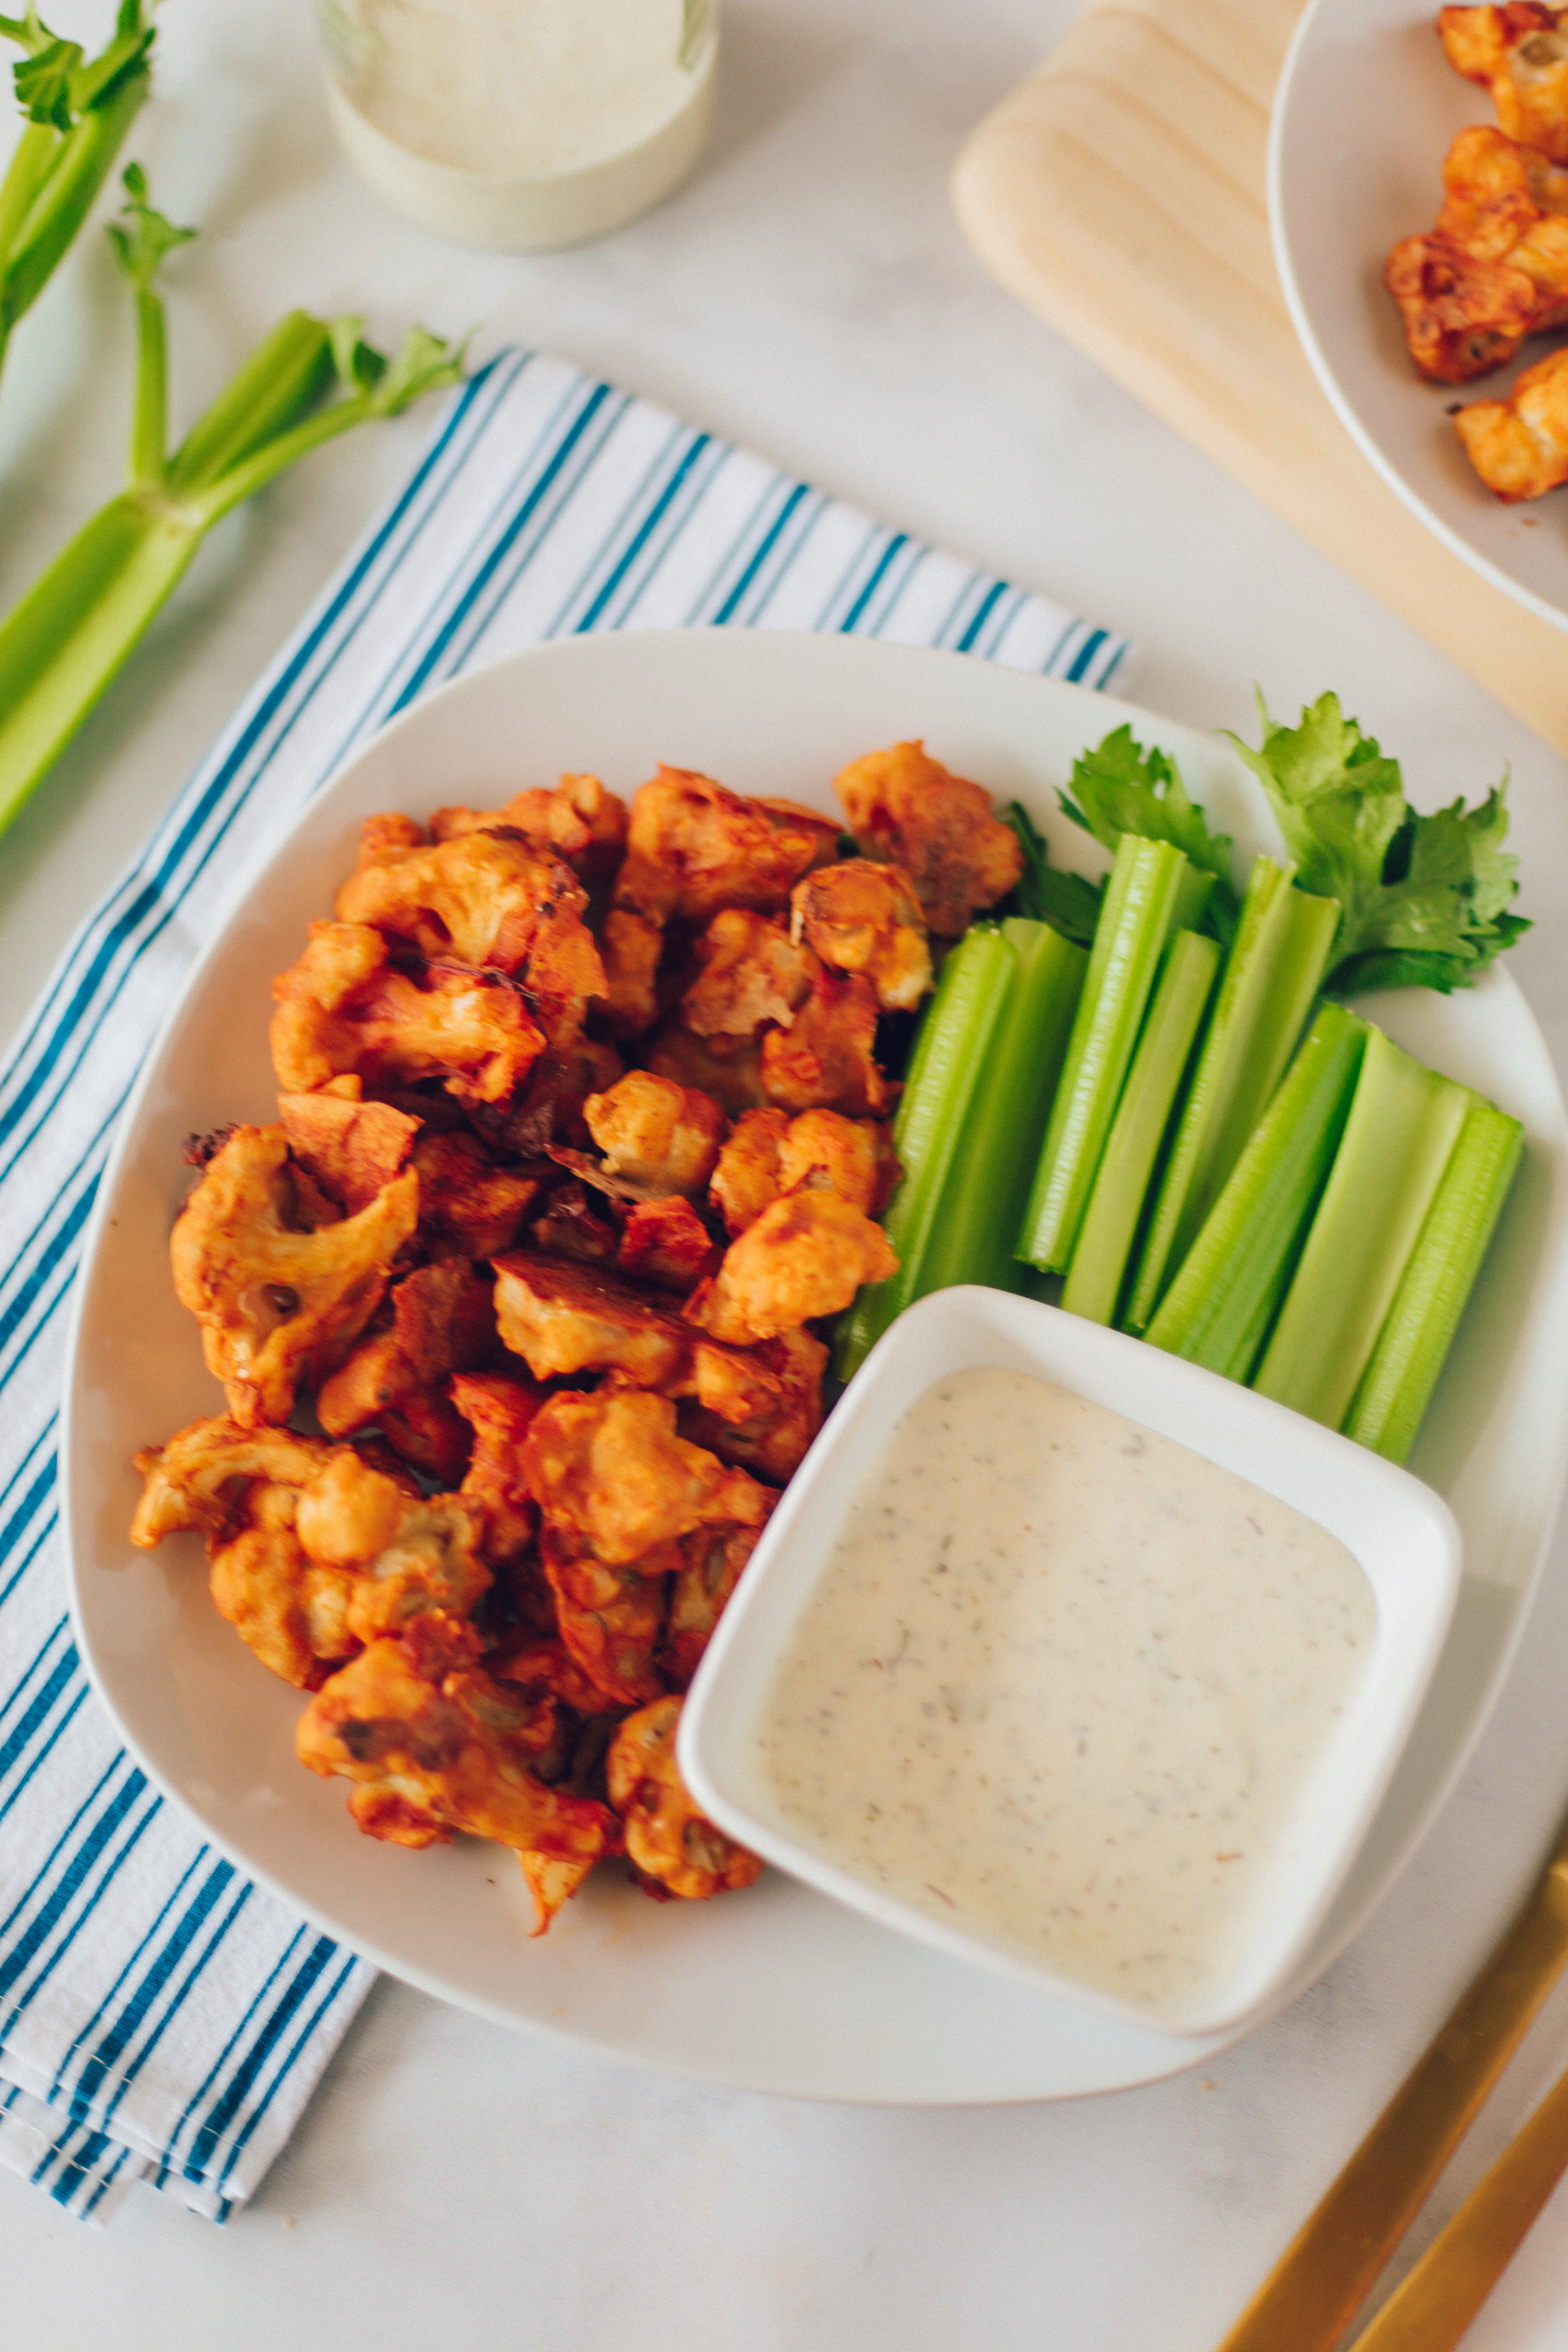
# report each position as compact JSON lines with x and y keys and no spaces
{"x":981,"y":1203}
{"x":944,"y":1071}
{"x":1141,"y":899}
{"x":1271,"y":974}
{"x":1193,"y":898}
{"x":1397,"y":1384}
{"x":60,"y":647}
{"x":1219,"y":1310}
{"x":1121,"y":1182}
{"x":1403,"y":1123}
{"x":78,"y":111}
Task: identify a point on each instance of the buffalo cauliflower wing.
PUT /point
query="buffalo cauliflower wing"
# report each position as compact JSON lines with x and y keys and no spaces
{"x":693,"y":848}
{"x":1495,"y":268}
{"x":434,"y":1743}
{"x":1519,"y":445}
{"x":670,"y":1841}
{"x":806,"y":1256}
{"x":862,"y":917}
{"x":1519,"y":53}
{"x":280,"y":1309}
{"x":905,"y":808}
{"x":611,"y":1468}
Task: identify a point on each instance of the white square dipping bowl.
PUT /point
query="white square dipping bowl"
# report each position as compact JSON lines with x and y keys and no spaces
{"x":1403,"y":1535}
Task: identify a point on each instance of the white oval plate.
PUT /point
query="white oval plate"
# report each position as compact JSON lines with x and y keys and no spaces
{"x":778,"y":1990}
{"x":1365,"y":111}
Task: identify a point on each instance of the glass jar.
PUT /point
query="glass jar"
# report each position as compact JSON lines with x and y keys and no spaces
{"x":520,"y":124}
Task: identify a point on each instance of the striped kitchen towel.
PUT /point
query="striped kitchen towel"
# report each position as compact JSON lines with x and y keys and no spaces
{"x":159,"y":2017}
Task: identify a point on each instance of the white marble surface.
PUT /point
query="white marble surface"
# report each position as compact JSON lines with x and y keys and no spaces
{"x":808,"y":293}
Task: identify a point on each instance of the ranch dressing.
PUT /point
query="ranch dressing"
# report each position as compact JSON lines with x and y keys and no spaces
{"x":520,"y":124}
{"x":1062,"y":1683}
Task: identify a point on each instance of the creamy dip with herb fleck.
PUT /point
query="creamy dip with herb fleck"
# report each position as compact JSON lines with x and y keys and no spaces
{"x":1061,"y":1684}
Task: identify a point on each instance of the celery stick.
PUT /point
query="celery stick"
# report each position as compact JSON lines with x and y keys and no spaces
{"x":1397,"y":1384}
{"x":1121,"y":1183}
{"x":1271,"y":974}
{"x":78,"y":112}
{"x":1217,"y":1311}
{"x":63,"y":642}
{"x":981,"y":1203}
{"x":1403,"y":1123}
{"x":60,"y":647}
{"x":944,"y":1071}
{"x":1135,"y":919}
{"x":1192,"y":899}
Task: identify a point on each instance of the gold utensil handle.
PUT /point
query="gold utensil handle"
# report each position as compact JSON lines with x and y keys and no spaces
{"x":1314,"y":2291}
{"x":1431,"y":2309}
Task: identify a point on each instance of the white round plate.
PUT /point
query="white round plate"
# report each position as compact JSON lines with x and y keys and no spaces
{"x":777,"y":1989}
{"x":1366,"y":110}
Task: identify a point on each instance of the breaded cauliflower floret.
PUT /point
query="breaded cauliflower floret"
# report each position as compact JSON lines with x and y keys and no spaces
{"x":826,"y":1060}
{"x":862,"y":917}
{"x":280,"y":1309}
{"x":667,"y":1837}
{"x":905,"y":808}
{"x":443,"y":1322}
{"x":343,"y":1011}
{"x":1495,"y":268}
{"x":693,"y":847}
{"x":434,"y":1743}
{"x":610,"y":1467}
{"x":752,"y":971}
{"x":659,"y":1136}
{"x":579,"y":820}
{"x":1519,"y":53}
{"x":1519,"y":445}
{"x":806,"y":1256}
{"x":611,"y":1617}
{"x":491,"y":901}
{"x":768,"y":1154}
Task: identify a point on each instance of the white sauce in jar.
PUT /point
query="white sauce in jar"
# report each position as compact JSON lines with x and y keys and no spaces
{"x":1062,"y":1683}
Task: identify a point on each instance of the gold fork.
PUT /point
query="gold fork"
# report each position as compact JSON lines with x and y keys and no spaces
{"x":1315,"y":2289}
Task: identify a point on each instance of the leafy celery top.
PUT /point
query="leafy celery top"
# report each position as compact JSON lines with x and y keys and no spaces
{"x":1424,"y":900}
{"x":77,"y":111}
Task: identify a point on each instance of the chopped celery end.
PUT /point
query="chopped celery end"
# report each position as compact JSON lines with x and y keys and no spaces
{"x":1140,"y":905}
{"x":1403,"y":1123}
{"x":1271,"y":974}
{"x":944,"y":1070}
{"x":1397,"y":1384}
{"x":1122,"y":1184}
{"x":982,"y":1205}
{"x":1217,"y":1311}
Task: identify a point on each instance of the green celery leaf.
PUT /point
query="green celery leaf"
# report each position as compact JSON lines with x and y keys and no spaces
{"x":1121,"y":788}
{"x":1338,"y":800}
{"x":44,"y":83}
{"x":1067,"y":902}
{"x":1423,"y":899}
{"x":55,"y":84}
{"x":1359,"y":975}
{"x":140,"y":250}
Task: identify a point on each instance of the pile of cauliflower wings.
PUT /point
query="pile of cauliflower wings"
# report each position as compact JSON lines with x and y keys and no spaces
{"x":1492,"y":272}
{"x":518,"y":1307}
